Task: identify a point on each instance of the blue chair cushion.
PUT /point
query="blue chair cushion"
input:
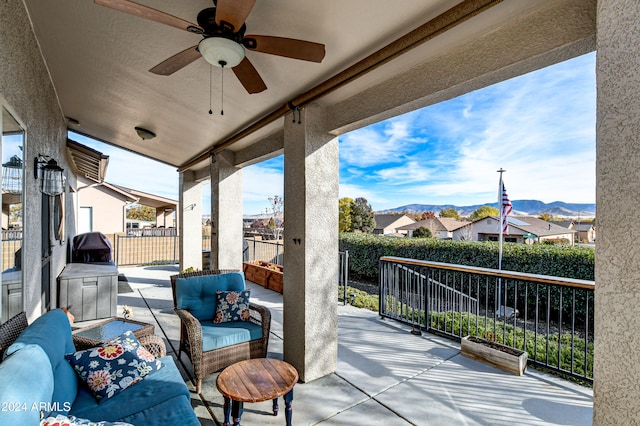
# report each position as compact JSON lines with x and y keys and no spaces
{"x":198,"y":294}
{"x":161,"y":386}
{"x":220,"y":335}
{"x":26,"y":386}
{"x":52,"y":332}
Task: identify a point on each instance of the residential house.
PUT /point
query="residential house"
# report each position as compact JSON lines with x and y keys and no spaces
{"x":442,"y":228}
{"x":522,"y":229}
{"x":102,"y":207}
{"x":390,"y":224}
{"x":586,"y":231}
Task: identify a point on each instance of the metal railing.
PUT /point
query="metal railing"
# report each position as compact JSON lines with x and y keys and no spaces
{"x":550,"y":318}
{"x":269,"y":251}
{"x":343,"y":278}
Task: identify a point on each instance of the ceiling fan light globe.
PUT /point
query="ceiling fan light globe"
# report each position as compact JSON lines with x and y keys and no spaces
{"x":220,"y":51}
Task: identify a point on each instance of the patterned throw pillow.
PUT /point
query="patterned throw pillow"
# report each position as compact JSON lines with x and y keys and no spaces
{"x":61,"y":420}
{"x":232,"y":306}
{"x":110,"y":368}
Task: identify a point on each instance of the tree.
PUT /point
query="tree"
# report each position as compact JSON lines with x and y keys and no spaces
{"x":139,"y":212}
{"x":362,"y":217}
{"x":450,"y":212}
{"x":275,"y":210}
{"x":546,"y":216}
{"x":344,"y":211}
{"x":482,"y":212}
{"x":422,"y":232}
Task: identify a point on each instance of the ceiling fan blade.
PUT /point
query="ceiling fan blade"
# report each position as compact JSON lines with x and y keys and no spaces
{"x":233,"y":12}
{"x":177,"y":61}
{"x":249,"y":77}
{"x":149,"y":13}
{"x":287,"y":47}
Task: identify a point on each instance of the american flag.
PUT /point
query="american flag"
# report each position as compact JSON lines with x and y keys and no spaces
{"x":505,"y":210}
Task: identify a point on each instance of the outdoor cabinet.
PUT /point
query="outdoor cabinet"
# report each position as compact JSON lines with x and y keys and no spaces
{"x":11,"y":294}
{"x":89,"y":291}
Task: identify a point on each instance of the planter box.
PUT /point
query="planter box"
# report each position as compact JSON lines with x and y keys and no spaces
{"x":255,"y":273}
{"x":266,"y":274}
{"x":275,"y":281}
{"x":508,"y":359}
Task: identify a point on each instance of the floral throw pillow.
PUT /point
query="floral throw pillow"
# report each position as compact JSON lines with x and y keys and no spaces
{"x":110,"y":368}
{"x":232,"y":306}
{"x":61,"y":420}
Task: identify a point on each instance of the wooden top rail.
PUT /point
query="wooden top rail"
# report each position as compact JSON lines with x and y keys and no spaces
{"x":542,"y":279}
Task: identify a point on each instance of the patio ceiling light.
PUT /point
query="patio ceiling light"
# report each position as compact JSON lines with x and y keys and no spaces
{"x":144,"y":133}
{"x":221,"y":52}
{"x":52,"y":175}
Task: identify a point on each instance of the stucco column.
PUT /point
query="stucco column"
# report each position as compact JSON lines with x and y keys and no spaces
{"x":190,"y":221}
{"x":617,"y":293}
{"x":311,"y":245}
{"x":226,"y":212}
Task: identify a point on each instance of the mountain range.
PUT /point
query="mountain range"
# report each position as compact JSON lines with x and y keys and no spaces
{"x":520,"y":208}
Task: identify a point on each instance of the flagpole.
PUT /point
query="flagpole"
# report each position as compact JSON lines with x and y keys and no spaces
{"x":501,"y":171}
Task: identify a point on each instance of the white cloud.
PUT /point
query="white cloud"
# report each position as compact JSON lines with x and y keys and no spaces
{"x":411,"y":171}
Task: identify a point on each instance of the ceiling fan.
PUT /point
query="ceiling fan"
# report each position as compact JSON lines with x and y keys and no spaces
{"x":224,"y":41}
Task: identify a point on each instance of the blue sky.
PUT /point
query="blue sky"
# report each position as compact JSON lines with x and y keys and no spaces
{"x":540,"y":127}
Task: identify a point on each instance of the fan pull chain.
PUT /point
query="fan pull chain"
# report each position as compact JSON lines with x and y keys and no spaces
{"x":210,"y":88}
{"x":222,"y":64}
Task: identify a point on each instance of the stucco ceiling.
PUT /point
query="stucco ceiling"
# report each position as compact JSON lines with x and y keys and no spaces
{"x":99,"y":61}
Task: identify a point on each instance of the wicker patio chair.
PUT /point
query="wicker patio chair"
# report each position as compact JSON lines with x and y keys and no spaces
{"x":205,"y":363}
{"x":10,"y":330}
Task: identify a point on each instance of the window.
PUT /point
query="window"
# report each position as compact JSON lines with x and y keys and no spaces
{"x":85,"y":220}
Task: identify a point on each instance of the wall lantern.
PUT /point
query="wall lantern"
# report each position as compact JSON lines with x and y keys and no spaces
{"x":12,"y":176}
{"x":52,"y":175}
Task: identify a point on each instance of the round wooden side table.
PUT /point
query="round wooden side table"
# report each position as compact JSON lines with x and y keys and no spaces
{"x":256,"y":380}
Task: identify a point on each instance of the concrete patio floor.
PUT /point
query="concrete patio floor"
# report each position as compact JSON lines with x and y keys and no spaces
{"x":385,"y":375}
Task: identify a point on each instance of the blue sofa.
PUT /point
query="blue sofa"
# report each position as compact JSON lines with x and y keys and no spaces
{"x":36,"y":380}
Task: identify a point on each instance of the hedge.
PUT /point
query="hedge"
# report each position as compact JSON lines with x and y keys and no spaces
{"x":569,"y":262}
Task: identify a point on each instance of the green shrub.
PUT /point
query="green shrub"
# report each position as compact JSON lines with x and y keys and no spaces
{"x":365,"y":250}
{"x":362,"y":299}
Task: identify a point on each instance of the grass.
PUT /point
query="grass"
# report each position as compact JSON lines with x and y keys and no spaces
{"x":362,"y":298}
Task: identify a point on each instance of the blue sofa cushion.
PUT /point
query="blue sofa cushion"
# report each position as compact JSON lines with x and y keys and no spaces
{"x":220,"y":335}
{"x":198,"y":294}
{"x":52,"y":332}
{"x":161,"y":386}
{"x":176,"y":411}
{"x":112,"y":367}
{"x":232,"y":306}
{"x":26,"y":386}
